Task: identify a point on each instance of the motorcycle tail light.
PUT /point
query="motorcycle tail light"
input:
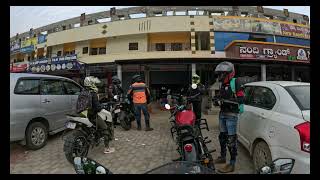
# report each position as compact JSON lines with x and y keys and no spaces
{"x":188,"y":147}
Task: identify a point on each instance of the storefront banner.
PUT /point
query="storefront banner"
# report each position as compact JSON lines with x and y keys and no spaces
{"x":29,"y":42}
{"x":18,"y":67}
{"x":15,"y":47}
{"x":42,"y":38}
{"x":27,"y":49}
{"x":259,"y":26}
{"x":296,"y":31}
{"x":55,"y":64}
{"x":268,"y":52}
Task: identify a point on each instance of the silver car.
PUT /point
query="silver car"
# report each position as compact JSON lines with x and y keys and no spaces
{"x":38,"y":104}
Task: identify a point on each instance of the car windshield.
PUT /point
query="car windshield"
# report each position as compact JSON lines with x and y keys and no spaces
{"x":301,"y":95}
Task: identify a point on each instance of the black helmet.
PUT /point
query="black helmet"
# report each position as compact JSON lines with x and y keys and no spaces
{"x":225,"y":71}
{"x":115,"y":80}
{"x":136,"y":78}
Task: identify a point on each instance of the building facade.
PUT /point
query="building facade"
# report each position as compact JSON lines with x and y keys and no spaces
{"x":166,"y":44}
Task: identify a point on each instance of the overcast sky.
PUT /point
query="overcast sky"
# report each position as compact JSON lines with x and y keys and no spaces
{"x":22,"y":18}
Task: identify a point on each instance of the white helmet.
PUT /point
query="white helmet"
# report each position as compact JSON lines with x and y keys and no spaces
{"x":100,"y":170}
{"x":91,"y":82}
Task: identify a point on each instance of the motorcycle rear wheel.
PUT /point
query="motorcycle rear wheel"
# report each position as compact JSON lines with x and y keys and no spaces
{"x":125,"y":122}
{"x":75,"y":145}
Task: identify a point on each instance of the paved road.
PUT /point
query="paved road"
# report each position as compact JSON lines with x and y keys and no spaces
{"x":136,"y":151}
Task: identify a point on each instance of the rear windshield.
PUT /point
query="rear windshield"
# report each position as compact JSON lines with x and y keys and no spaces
{"x":301,"y":95}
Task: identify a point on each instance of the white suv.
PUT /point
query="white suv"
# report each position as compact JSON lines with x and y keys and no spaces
{"x":276,"y":123}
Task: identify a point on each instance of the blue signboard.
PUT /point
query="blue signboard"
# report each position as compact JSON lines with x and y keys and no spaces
{"x":42,"y":38}
{"x":15,"y":47}
{"x":55,"y":64}
{"x":27,"y":49}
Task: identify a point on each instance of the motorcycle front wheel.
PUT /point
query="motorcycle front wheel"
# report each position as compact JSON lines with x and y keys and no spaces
{"x":75,"y":145}
{"x":125,"y":122}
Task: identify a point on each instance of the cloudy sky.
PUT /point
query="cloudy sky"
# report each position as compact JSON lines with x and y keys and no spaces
{"x":22,"y":18}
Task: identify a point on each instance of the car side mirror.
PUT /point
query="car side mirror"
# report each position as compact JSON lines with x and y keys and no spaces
{"x":84,"y":165}
{"x":279,"y":166}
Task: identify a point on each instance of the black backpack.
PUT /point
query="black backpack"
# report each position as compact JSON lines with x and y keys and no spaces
{"x":84,"y":101}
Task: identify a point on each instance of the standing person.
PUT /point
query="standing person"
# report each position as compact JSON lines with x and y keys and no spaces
{"x":196,"y":95}
{"x":115,"y":89}
{"x":92,"y":108}
{"x":163,"y":97}
{"x":140,"y":95}
{"x":230,"y":99}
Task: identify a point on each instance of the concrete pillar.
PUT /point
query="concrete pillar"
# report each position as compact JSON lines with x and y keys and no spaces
{"x":119,"y":72}
{"x":263,"y":72}
{"x":293,"y":73}
{"x":193,"y":70}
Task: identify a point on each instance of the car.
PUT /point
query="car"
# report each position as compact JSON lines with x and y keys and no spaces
{"x":38,"y":104}
{"x":276,"y":123}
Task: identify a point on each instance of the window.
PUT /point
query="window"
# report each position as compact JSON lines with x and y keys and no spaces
{"x":133,"y":46}
{"x":59,"y":53}
{"x":90,"y":22}
{"x":85,"y":50}
{"x":202,"y":41}
{"x":93,"y":51}
{"x":301,"y":95}
{"x":247,"y":94}
{"x":160,"y":46}
{"x":294,"y":21}
{"x":64,"y":27}
{"x":51,"y":87}
{"x":27,"y":86}
{"x":71,"y":88}
{"x":176,"y":47}
{"x":262,"y":97}
{"x":30,"y":58}
{"x":102,"y":50}
{"x":256,"y":37}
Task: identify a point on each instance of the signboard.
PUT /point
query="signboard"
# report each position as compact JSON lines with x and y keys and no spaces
{"x":55,"y":64}
{"x":29,"y":42}
{"x":42,"y":38}
{"x":260,"y":26}
{"x":18,"y":67}
{"x":296,"y":31}
{"x":15,"y":47}
{"x":268,"y":51}
{"x":27,"y":49}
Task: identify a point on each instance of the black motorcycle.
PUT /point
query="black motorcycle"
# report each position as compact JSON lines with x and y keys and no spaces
{"x":186,"y":131}
{"x":81,"y":133}
{"x":84,"y":165}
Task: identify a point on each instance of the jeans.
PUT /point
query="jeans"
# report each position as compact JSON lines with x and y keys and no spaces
{"x":228,"y":124}
{"x":138,"y":108}
{"x":197,"y":109}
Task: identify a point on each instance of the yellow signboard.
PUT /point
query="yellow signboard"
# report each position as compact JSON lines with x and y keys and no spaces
{"x":29,"y":42}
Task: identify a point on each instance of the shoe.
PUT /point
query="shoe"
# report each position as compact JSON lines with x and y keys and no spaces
{"x":139,"y":128}
{"x":220,"y":160}
{"x":149,"y":129}
{"x":226,"y":169}
{"x":109,"y":150}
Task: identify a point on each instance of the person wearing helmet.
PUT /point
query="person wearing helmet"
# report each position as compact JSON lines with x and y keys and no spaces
{"x":195,"y":95}
{"x":230,"y":100}
{"x":140,"y":95}
{"x":90,"y":84}
{"x":115,"y":89}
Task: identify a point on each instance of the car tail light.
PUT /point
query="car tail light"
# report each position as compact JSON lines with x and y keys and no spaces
{"x":304,"y":132}
{"x":188,"y":147}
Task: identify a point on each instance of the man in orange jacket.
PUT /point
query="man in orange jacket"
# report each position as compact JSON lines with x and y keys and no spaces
{"x":140,"y":95}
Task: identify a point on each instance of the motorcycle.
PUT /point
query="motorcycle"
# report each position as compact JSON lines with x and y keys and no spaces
{"x":188,"y":136}
{"x":84,"y":165}
{"x":124,"y":111}
{"x":83,"y":133}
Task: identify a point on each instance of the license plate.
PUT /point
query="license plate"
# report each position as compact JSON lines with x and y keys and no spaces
{"x":117,"y":111}
{"x":71,"y":125}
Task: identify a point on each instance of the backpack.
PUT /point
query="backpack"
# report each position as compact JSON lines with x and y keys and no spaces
{"x":237,"y":91}
{"x":84,"y":101}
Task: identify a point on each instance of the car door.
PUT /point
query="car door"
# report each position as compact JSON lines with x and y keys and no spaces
{"x":54,"y":102}
{"x":258,"y":112}
{"x":72,"y":91}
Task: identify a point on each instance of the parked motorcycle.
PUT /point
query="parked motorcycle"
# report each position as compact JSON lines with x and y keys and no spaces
{"x":83,"y":133}
{"x":187,"y":130}
{"x":84,"y":165}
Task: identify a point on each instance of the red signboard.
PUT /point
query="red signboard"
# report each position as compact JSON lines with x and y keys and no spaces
{"x":18,"y":67}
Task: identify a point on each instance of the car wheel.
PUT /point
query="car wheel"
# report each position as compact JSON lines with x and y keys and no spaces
{"x":36,"y":135}
{"x":261,"y":155}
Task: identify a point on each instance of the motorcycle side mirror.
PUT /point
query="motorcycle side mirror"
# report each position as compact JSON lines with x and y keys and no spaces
{"x":279,"y":166}
{"x":115,"y":97}
{"x":167,"y":106}
{"x":194,"y":86}
{"x":84,"y":165}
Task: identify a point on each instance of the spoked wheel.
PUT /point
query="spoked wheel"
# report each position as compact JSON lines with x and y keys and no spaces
{"x":75,"y":145}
